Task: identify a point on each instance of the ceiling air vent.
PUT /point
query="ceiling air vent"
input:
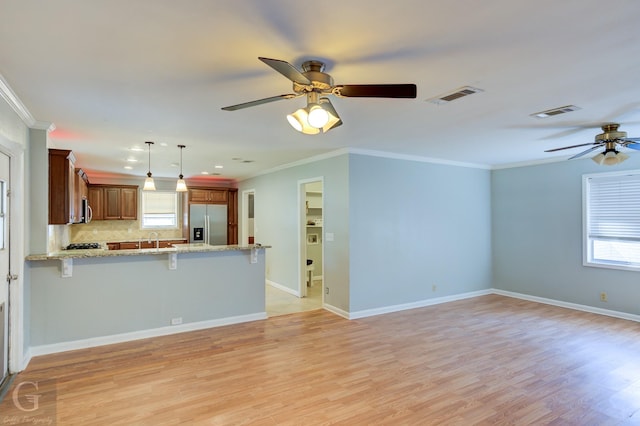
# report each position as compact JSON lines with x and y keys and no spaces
{"x":452,"y":96}
{"x":555,"y":111}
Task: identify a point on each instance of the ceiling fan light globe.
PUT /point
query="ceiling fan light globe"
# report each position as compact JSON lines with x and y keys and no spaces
{"x":318,"y":117}
{"x":297,"y":119}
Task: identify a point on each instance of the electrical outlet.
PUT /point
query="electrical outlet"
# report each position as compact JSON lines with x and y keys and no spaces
{"x":326,"y":290}
{"x":176,"y":321}
{"x":603,"y":297}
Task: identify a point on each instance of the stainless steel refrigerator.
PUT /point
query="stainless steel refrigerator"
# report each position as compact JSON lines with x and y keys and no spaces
{"x":208,"y":223}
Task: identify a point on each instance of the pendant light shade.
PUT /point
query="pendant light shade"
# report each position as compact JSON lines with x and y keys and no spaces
{"x":149,"y":185}
{"x":181,"y":185}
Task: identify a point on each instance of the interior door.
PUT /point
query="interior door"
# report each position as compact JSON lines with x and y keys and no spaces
{"x":4,"y":266}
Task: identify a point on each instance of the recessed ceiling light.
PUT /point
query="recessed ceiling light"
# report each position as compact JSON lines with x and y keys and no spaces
{"x":204,"y":173}
{"x":175,"y":164}
{"x":128,"y":167}
{"x":136,"y":149}
{"x":163,"y":144}
{"x":218,"y":166}
{"x":132,"y":160}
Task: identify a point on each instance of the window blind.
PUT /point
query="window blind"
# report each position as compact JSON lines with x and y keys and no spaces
{"x":614,"y":207}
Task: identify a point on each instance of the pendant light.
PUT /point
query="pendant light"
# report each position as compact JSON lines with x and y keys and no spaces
{"x":181,"y":185}
{"x":149,"y":185}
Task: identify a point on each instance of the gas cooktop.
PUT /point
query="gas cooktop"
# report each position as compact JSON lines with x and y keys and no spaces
{"x":83,"y":246}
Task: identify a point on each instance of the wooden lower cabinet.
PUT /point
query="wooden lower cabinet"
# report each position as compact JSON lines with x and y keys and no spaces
{"x":143,"y":244}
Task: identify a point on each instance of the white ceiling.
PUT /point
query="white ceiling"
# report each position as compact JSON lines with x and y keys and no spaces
{"x":112,"y":74}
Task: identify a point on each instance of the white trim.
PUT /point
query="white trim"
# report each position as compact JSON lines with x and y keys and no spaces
{"x":144,"y":334}
{"x":14,"y":102}
{"x":337,"y":311}
{"x":406,"y":157}
{"x":283,"y":288}
{"x":568,"y":305}
{"x":531,"y":163}
{"x":304,"y":161}
{"x":244,"y":218}
{"x":417,"y":304}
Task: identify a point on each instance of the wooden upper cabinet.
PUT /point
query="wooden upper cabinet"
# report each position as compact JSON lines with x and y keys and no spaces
{"x":96,"y":202}
{"x":129,"y":203}
{"x":114,"y":202}
{"x":62,"y":208}
{"x":208,"y":195}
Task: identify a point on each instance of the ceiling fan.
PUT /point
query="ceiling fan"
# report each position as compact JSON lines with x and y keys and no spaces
{"x":609,"y":138}
{"x":312,"y":82}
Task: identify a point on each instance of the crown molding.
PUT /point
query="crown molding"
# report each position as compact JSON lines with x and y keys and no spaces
{"x":25,"y":115}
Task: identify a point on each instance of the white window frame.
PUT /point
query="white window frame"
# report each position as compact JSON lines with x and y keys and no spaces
{"x":587,"y":250}
{"x":176,"y":211}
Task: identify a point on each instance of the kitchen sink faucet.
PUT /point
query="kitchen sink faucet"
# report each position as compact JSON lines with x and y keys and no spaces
{"x":157,"y":239}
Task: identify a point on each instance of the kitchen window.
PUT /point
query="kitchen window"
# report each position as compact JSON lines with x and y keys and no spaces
{"x":611,"y":210}
{"x":159,"y":209}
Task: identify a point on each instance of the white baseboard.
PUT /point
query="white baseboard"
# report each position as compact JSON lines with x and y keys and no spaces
{"x":414,"y":305}
{"x":337,"y":311}
{"x":283,"y":288}
{"x":143,"y":334}
{"x":569,"y":305}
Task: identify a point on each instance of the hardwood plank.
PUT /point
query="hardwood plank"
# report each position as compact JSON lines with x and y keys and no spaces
{"x":487,"y":360}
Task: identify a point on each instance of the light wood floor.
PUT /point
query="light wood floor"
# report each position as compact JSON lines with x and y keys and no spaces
{"x":488,"y":360}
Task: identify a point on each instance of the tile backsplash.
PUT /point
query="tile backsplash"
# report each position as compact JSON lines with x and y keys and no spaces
{"x":102,"y":231}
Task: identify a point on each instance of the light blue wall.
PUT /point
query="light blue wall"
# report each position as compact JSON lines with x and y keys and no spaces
{"x":413,"y":225}
{"x":537,"y":237}
{"x":276,"y":219}
{"x":108,"y":296}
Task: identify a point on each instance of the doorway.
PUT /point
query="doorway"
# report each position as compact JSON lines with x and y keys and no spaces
{"x":312,"y":239}
{"x":4,"y":267}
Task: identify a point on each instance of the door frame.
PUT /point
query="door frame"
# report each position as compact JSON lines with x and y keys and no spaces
{"x":17,"y":201}
{"x":244,"y":221}
{"x":302,"y":236}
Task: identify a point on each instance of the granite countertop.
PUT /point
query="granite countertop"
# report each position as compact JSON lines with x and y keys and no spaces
{"x":177,"y":248}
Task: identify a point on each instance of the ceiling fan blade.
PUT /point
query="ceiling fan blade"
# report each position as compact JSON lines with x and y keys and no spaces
{"x":377,"y":90}
{"x":574,"y":146}
{"x":632,"y":139}
{"x":586,"y":151}
{"x":259,"y":102}
{"x":286,"y":69}
{"x":631,"y":144}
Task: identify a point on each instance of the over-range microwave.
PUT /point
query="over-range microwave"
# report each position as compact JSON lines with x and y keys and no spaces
{"x":87,"y":213}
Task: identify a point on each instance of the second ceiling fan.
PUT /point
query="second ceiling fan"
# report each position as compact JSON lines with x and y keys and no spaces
{"x":312,"y":82}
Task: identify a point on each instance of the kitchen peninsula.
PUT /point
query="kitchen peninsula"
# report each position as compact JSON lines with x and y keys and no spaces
{"x":84,"y":298}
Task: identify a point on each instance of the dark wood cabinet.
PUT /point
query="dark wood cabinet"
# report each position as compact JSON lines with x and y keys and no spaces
{"x":208,"y":195}
{"x":114,"y":202}
{"x":96,"y":202}
{"x":144,"y":244}
{"x":232,"y":217}
{"x":62,"y":205}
